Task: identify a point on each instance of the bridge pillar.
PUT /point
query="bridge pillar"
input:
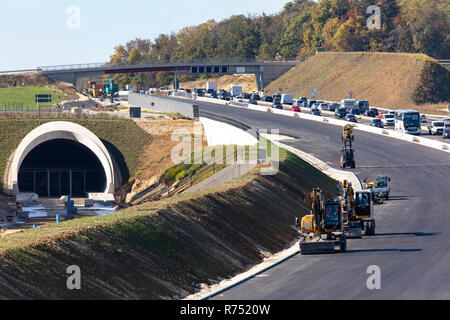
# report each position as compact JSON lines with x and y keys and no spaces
{"x":260,"y":80}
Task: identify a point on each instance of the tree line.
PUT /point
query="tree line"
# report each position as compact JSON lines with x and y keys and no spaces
{"x":297,"y":31}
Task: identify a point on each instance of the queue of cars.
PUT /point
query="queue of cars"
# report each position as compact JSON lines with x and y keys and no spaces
{"x":406,"y":121}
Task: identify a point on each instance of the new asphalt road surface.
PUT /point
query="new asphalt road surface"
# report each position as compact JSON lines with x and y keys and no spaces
{"x":412,"y":243}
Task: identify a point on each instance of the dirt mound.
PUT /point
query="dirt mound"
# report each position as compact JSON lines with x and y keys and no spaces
{"x":247,"y":81}
{"x":158,"y":156}
{"x":25,"y":80}
{"x":387,"y":80}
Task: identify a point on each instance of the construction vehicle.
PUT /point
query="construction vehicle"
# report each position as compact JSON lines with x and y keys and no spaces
{"x":97,"y":90}
{"x":111,"y":89}
{"x":378,"y":187}
{"x":348,"y":153}
{"x":321,"y":231}
{"x":357,"y":211}
{"x":87,"y":89}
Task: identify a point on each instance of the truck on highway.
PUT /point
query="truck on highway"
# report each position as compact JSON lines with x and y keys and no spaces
{"x":211,"y":87}
{"x":363,"y":106}
{"x":287,"y":99}
{"x":348,"y":104}
{"x":436,"y":128}
{"x":236,"y":91}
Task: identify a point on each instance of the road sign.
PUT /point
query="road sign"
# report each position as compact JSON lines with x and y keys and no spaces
{"x":43,"y":98}
{"x":314,"y":93}
{"x":135,"y":112}
{"x":196,"y":112}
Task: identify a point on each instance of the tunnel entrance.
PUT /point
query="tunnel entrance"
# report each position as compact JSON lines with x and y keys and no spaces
{"x":61,"y":167}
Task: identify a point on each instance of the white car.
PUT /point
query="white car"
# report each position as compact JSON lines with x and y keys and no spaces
{"x":388,"y":120}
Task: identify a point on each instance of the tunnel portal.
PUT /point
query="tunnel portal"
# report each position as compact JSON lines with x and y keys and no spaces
{"x":61,"y":167}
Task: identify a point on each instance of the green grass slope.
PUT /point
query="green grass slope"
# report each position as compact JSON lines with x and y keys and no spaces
{"x":25,"y":96}
{"x":389,"y":80}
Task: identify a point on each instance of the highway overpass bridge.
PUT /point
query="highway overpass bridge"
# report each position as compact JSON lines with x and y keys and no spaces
{"x":265,"y":71}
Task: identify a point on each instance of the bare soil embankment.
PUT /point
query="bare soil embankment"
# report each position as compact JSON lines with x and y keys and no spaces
{"x":247,"y":81}
{"x":388,"y":80}
{"x":164,"y":249}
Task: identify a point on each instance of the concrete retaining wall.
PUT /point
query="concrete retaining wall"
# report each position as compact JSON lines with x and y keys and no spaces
{"x":220,"y":133}
{"x":162,"y":104}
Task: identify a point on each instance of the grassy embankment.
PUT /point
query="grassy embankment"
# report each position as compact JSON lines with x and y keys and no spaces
{"x":23,"y":98}
{"x":161,"y":249}
{"x":125,"y":140}
{"x":387,"y":80}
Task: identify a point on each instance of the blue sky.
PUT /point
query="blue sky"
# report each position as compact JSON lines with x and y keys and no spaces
{"x":35,"y":33}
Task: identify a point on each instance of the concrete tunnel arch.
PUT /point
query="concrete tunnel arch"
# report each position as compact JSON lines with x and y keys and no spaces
{"x":59,"y":130}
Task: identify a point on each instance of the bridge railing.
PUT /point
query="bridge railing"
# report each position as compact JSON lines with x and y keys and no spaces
{"x":72,"y":67}
{"x":83,"y":66}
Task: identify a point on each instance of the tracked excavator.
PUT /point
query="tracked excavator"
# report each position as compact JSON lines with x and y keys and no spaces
{"x":347,"y":152}
{"x":321,"y":231}
{"x":357,"y":211}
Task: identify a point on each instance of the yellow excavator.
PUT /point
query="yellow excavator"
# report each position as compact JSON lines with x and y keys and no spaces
{"x":322,"y":230}
{"x":357,"y":211}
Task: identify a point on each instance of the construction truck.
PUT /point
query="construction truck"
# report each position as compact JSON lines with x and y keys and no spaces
{"x":322,"y":230}
{"x":357,"y":211}
{"x":97,"y":90}
{"x":87,"y":89}
{"x":348,"y":153}
{"x":379,"y":187}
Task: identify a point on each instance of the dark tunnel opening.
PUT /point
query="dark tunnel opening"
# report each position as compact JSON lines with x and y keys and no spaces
{"x":61,"y":167}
